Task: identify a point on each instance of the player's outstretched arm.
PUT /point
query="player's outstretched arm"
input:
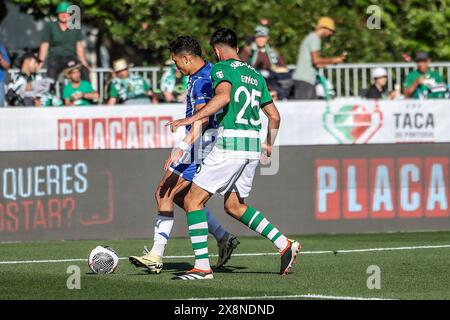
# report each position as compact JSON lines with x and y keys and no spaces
{"x":274,"y":124}
{"x":218,"y":102}
{"x":197,"y":128}
{"x":185,"y":145}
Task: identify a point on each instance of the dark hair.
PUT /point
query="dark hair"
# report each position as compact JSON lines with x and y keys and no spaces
{"x":29,"y":55}
{"x":224,"y":36}
{"x":185,"y":44}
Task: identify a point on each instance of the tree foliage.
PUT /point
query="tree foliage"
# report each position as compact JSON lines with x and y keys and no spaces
{"x":406,"y":25}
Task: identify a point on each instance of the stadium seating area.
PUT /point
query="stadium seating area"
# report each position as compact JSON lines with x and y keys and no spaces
{"x":346,"y":80}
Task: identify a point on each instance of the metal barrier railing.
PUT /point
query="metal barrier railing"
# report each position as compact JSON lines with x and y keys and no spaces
{"x":348,"y":79}
{"x":100,"y":76}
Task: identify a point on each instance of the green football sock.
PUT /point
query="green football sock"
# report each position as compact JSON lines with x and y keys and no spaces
{"x":256,"y":221}
{"x":198,"y":232}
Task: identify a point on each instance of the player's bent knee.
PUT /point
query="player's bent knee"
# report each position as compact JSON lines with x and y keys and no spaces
{"x":233,"y":210}
{"x":163,"y":193}
{"x":235,"y":206}
{"x":165,"y":204}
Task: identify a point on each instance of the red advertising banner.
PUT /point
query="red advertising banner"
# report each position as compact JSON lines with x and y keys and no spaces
{"x":114,"y":133}
{"x":381,"y":188}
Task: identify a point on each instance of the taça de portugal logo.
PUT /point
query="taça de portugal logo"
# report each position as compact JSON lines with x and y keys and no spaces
{"x":353,"y":123}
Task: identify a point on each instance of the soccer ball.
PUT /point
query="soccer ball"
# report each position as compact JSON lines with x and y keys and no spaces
{"x":103,"y":259}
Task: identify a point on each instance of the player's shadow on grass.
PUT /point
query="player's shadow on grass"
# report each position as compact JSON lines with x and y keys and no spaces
{"x":237,"y":270}
{"x":168,"y":267}
{"x":177,"y":266}
{"x":228,"y":269}
{"x":180,"y":268}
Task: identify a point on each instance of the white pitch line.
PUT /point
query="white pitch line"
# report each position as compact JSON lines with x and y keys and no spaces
{"x":395,"y":248}
{"x":249,"y":254}
{"x":295,"y":296}
{"x":42,"y":261}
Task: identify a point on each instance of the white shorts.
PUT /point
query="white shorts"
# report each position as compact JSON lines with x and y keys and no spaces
{"x":221,"y":175}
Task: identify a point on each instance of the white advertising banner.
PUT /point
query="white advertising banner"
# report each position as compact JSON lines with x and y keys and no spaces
{"x":85,"y":128}
{"x":343,"y":121}
{"x":350,"y":121}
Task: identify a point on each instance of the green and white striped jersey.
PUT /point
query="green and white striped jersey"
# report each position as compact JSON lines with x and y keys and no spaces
{"x":239,"y":122}
{"x":21,"y":80}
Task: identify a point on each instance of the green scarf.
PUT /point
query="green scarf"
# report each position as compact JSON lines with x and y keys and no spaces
{"x":273,"y":56}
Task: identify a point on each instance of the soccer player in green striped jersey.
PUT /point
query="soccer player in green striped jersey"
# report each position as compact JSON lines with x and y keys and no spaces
{"x":240,"y":93}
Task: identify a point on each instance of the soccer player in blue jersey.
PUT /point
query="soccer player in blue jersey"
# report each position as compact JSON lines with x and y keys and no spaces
{"x":184,"y":160}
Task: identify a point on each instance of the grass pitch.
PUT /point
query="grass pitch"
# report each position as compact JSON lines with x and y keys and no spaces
{"x":418,"y":269}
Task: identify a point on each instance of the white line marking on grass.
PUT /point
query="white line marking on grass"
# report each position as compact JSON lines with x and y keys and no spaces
{"x":42,"y":261}
{"x":324,"y":252}
{"x":295,"y":296}
{"x":248,"y":254}
{"x":392,"y":249}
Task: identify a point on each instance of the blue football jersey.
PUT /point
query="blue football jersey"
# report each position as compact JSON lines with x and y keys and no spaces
{"x":199,"y":91}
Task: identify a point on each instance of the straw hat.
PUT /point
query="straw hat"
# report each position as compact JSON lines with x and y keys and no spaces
{"x":120,"y":64}
{"x":70,"y":66}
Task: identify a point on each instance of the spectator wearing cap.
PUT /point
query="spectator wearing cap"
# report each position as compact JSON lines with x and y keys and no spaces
{"x":128,"y":89}
{"x":20,"y":90}
{"x":264,"y":58}
{"x":309,"y":59}
{"x":77,"y":92}
{"x":61,"y":44}
{"x":424,"y":83}
{"x":260,"y":54}
{"x":378,"y":88}
{"x":5,"y":63}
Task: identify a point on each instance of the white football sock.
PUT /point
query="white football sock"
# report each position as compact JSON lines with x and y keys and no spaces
{"x":163,"y":227}
{"x":214,"y":226}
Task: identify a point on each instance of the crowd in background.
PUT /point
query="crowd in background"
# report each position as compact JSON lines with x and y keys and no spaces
{"x":63,"y":52}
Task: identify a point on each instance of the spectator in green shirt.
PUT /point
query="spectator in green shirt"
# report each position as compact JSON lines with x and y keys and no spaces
{"x":62,"y":43}
{"x":128,"y":89}
{"x":424,"y":83}
{"x":172,"y":91}
{"x":77,"y":92}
